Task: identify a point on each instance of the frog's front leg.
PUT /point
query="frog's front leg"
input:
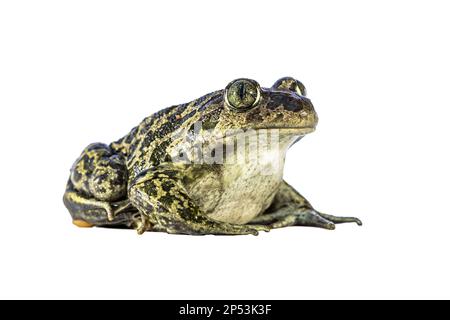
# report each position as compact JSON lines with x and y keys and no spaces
{"x":159,"y":195}
{"x":290,"y":208}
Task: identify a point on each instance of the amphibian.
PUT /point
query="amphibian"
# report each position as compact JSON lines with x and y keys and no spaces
{"x":159,"y":177}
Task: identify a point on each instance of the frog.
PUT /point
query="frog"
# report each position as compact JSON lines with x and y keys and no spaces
{"x":159,"y":177}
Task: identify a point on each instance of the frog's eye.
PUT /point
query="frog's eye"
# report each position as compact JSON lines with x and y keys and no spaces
{"x":290,"y":84}
{"x":242,"y":94}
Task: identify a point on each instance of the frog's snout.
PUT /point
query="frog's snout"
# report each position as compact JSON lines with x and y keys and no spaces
{"x":292,"y":109}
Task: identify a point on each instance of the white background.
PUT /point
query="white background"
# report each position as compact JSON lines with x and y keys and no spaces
{"x":75,"y":72}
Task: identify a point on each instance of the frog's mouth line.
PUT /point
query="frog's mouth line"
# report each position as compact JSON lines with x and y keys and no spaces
{"x":295,"y":131}
{"x":300,"y":130}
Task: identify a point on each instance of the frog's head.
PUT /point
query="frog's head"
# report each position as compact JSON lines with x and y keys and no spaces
{"x":246,"y":105}
{"x":242,"y":110}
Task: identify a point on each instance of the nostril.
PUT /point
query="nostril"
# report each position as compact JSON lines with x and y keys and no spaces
{"x":303,"y":114}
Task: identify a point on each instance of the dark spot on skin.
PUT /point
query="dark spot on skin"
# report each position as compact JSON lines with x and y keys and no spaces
{"x":166,"y":200}
{"x":150,"y":188}
{"x":167,"y":185}
{"x":120,"y":178}
{"x":149,"y":137}
{"x":188,"y":214}
{"x":160,"y":152}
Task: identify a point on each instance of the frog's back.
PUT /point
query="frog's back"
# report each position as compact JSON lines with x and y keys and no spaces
{"x":140,"y":144}
{"x":146,"y":145}
{"x":127,"y":144}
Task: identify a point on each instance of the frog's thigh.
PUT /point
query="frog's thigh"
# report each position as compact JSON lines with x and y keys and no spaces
{"x":97,"y":183}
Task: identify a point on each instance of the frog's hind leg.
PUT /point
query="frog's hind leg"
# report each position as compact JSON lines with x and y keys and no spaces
{"x":289,"y":208}
{"x":96,"y":191}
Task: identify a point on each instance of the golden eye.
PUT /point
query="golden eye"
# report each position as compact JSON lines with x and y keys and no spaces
{"x":242,"y":94}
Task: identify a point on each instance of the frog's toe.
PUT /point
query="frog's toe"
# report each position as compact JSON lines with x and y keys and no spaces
{"x":110,"y":213}
{"x":141,"y":223}
{"x":338,"y":220}
{"x":261,"y":228}
{"x":247,"y":231}
{"x":294,"y":216}
{"x":251,"y":229}
{"x":310,"y":218}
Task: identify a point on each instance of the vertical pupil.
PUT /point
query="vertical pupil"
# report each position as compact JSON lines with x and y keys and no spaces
{"x":241,"y":91}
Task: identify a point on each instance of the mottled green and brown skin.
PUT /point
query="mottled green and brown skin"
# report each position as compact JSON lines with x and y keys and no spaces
{"x":135,"y":183}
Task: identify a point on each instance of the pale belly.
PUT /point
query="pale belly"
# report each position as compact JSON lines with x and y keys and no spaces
{"x":237,"y":193}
